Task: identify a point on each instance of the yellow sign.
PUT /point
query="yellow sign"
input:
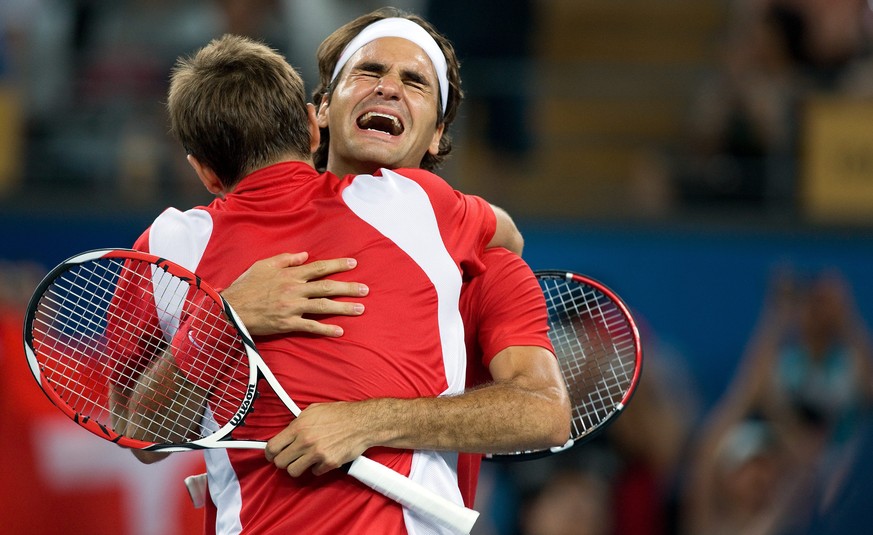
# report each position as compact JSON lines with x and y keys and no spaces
{"x":837,"y":170}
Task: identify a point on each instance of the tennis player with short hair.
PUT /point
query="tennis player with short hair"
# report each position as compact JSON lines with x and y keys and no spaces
{"x":389,"y":88}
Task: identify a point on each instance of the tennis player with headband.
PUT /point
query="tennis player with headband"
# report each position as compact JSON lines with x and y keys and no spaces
{"x":389,"y":87}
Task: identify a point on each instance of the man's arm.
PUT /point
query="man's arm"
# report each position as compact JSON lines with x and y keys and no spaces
{"x":507,"y":234}
{"x":526,"y":406}
{"x":141,"y":412}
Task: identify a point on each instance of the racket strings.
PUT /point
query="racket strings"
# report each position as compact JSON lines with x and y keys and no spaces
{"x":102,"y":332}
{"x":597,"y":350}
{"x":69,"y":322}
{"x":158,"y":411}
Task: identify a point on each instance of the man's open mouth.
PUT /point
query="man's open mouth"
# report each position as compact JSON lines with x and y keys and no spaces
{"x":381,"y":122}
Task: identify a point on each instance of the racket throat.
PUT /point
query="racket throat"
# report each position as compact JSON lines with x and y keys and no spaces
{"x":247,"y":407}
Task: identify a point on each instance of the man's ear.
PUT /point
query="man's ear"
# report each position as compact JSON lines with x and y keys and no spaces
{"x":434,"y":148}
{"x":207,"y":176}
{"x":323,"y":112}
{"x":314,"y":130}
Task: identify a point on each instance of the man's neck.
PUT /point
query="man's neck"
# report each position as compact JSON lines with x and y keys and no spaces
{"x":290,"y":158}
{"x":354,"y":168}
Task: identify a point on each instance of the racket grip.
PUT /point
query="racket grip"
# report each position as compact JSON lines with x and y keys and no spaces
{"x":413,"y":496}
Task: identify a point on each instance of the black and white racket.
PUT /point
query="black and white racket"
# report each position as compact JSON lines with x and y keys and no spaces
{"x":143,"y":353}
{"x":598,"y":347}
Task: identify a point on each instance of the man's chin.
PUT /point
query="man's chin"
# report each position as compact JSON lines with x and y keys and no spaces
{"x":373,"y":158}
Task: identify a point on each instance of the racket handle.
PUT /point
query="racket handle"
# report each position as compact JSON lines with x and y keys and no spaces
{"x":413,"y":496}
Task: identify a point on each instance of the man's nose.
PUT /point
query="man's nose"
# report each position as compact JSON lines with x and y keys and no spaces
{"x":389,"y":86}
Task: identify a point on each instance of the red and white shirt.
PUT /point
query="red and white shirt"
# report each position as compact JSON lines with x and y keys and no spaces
{"x":415,"y":240}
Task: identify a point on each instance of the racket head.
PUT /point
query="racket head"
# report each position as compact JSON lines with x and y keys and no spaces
{"x":99,"y":319}
{"x":597,"y":343}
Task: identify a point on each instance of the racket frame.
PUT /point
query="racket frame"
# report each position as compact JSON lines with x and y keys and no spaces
{"x":594,"y":431}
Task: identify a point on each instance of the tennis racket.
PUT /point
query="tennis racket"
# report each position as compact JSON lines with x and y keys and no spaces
{"x":598,"y":348}
{"x":143,"y":353}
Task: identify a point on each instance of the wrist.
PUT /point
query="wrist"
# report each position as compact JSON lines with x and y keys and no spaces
{"x":383,"y":422}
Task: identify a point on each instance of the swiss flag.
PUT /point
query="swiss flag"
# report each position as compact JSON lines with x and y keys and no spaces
{"x":59,"y":478}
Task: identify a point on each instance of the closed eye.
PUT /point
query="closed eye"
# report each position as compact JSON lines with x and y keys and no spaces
{"x":410,"y":78}
{"x":370,"y":69}
{"x":415,"y":80}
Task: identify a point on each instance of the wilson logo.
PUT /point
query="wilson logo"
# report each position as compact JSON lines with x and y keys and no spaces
{"x":244,"y":408}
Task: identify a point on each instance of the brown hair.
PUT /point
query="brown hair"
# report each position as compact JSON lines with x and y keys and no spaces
{"x":332,"y":47}
{"x":237,"y":106}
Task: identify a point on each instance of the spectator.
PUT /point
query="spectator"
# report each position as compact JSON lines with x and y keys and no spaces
{"x":790,"y":416}
{"x":744,"y":480}
{"x":746,"y":121}
{"x":743,"y":124}
{"x":811,"y":359}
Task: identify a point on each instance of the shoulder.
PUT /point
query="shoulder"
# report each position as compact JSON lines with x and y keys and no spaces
{"x":181,"y":236}
{"x":175,"y":224}
{"x":500,"y":258}
{"x":507,"y":277}
{"x":502,"y":264}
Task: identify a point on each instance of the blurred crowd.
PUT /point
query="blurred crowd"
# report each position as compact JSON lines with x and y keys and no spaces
{"x":82,"y":83}
{"x":744,"y":139}
{"x":778,"y":454}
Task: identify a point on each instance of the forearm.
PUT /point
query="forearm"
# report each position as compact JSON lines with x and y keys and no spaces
{"x":499,"y":417}
{"x":121,"y":422}
{"x":161,"y":407}
{"x":526,"y":407}
{"x":167,"y":408}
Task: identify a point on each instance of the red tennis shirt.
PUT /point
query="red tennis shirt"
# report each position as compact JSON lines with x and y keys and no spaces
{"x":415,"y":240}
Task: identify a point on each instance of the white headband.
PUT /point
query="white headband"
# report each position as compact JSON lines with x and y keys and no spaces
{"x":405,"y":29}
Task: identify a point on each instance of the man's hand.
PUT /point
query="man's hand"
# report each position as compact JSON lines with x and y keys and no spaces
{"x":274,"y":294}
{"x":323,"y":437}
